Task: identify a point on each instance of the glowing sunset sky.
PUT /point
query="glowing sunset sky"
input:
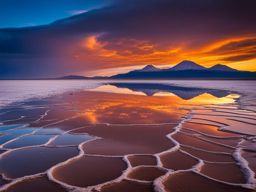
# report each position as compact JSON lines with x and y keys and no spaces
{"x":52,"y":38}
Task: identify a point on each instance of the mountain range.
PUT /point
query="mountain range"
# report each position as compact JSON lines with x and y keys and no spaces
{"x":183,"y":70}
{"x":187,"y":70}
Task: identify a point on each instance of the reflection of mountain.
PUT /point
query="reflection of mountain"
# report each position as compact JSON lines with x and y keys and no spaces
{"x":183,"y":92}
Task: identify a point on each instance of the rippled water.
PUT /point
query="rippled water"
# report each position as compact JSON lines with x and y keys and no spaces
{"x":126,"y":136}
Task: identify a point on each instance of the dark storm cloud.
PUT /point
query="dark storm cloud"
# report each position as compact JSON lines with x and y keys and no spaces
{"x":239,"y":50}
{"x":242,"y":57}
{"x":236,"y":45}
{"x":162,"y":22}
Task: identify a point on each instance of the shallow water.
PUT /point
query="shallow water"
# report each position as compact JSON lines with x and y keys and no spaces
{"x":126,"y":136}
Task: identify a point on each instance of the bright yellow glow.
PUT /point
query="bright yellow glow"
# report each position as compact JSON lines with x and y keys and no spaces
{"x":210,"y":99}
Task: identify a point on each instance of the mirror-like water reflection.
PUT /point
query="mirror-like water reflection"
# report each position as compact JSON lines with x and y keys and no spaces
{"x":111,"y":133}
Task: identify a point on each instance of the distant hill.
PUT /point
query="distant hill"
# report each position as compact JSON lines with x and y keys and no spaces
{"x":220,"y":67}
{"x":74,"y":77}
{"x":69,"y":77}
{"x":187,"y":70}
{"x":187,"y":65}
{"x":149,"y":68}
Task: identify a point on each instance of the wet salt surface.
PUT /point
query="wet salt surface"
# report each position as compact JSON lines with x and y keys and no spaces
{"x":49,"y":131}
{"x":7,"y":127}
{"x":33,"y":160}
{"x":95,"y":170}
{"x":38,"y":184}
{"x":97,"y":140}
{"x":18,"y":131}
{"x":28,"y":140}
{"x":146,"y":173}
{"x":198,"y":183}
{"x":6,"y":138}
{"x":70,"y":139}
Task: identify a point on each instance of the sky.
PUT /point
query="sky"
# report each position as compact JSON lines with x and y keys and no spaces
{"x":23,"y":13}
{"x":52,"y":38}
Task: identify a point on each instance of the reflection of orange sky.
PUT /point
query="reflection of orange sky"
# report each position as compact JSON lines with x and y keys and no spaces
{"x":201,"y":99}
{"x":122,"y":108}
{"x":125,"y":55}
{"x":91,"y":116}
{"x":113,"y":89}
{"x":210,"y":99}
{"x":100,"y":107}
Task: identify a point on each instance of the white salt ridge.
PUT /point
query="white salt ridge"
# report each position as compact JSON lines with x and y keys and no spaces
{"x":158,"y":183}
{"x":250,"y":175}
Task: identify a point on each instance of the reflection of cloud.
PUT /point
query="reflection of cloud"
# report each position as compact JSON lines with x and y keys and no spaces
{"x":100,"y":107}
{"x":91,"y":117}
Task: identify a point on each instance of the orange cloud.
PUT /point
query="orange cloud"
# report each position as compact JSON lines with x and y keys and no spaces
{"x":91,"y":42}
{"x":237,"y":52}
